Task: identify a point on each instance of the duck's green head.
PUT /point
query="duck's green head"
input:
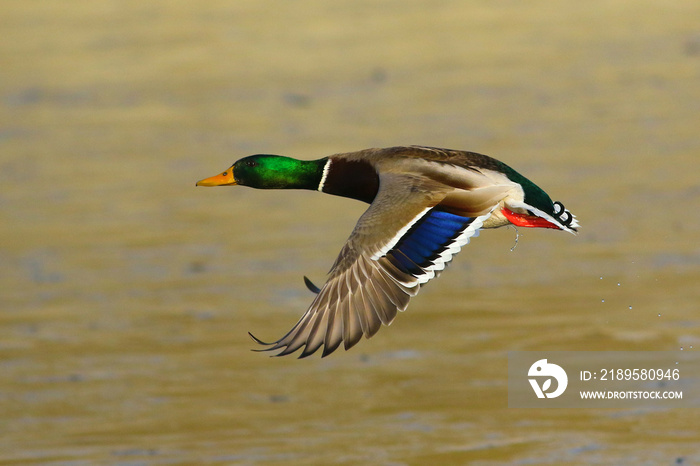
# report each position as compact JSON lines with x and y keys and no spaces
{"x":264,"y":171}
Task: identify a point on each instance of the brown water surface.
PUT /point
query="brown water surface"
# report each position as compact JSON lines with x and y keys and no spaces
{"x":126,"y":293}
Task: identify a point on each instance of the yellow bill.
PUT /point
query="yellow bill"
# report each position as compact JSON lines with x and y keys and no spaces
{"x":222,"y":179}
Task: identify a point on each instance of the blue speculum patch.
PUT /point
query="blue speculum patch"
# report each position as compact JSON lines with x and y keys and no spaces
{"x":426,"y":239}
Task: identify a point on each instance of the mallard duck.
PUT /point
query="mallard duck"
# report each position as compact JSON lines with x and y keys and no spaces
{"x":425,"y":204}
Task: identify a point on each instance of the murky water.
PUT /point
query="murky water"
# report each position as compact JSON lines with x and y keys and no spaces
{"x":126,"y":293}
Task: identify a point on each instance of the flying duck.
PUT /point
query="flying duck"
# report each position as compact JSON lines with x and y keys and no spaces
{"x":425,"y":203}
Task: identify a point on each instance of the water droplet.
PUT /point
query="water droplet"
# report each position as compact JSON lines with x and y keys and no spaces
{"x":602,"y":300}
{"x":601,"y":278}
{"x":659,"y":314}
{"x":630,"y":307}
{"x":618,"y":283}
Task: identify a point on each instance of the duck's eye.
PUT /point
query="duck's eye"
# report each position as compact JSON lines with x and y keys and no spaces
{"x":251,"y":163}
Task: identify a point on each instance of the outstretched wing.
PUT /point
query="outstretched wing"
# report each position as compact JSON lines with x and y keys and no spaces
{"x":403,"y":240}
